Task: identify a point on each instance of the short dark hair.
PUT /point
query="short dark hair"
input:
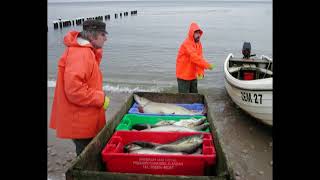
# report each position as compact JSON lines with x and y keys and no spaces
{"x":94,"y":25}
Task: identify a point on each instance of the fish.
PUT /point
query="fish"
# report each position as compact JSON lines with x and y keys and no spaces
{"x":182,"y":122}
{"x":198,"y":151}
{"x":146,"y":148}
{"x":153,"y":151}
{"x":188,"y":144}
{"x":201,"y":127}
{"x":189,"y":125}
{"x":164,"y":122}
{"x":136,"y":145}
{"x":190,"y":122}
{"x":148,"y":106}
{"x":170,"y":128}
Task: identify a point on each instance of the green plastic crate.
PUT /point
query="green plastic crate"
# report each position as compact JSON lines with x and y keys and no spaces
{"x":131,"y":119}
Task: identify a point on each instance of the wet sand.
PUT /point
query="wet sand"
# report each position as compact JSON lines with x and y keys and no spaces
{"x":247,"y":142}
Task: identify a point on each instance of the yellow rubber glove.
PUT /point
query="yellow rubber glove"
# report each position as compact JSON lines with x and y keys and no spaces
{"x":199,"y":77}
{"x":106,"y":102}
{"x":211,"y":66}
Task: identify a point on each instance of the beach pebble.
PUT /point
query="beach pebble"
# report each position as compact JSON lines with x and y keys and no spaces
{"x":261,"y":172}
{"x":53,"y":154}
{"x":271,"y":163}
{"x":50,"y":169}
{"x":72,"y":153}
{"x":57,"y":163}
{"x":237,"y":173}
{"x":238,"y":178}
{"x":270,"y":144}
{"x":69,"y":160}
{"x":245,"y":151}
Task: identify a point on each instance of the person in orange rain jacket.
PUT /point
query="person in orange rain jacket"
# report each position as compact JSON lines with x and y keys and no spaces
{"x":79,"y":104}
{"x":190,"y":63}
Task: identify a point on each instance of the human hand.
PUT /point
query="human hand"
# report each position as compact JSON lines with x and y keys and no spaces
{"x":106,"y":102}
{"x":211,"y":66}
{"x":199,"y":77}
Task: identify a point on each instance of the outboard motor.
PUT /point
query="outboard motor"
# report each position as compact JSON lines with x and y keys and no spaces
{"x":246,"y":50}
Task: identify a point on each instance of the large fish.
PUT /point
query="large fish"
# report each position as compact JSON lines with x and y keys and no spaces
{"x":189,"y":144}
{"x":182,"y":122}
{"x":189,"y":125}
{"x":190,"y":122}
{"x":147,"y":106}
{"x":170,"y":128}
{"x":137,"y":149}
{"x":186,"y":145}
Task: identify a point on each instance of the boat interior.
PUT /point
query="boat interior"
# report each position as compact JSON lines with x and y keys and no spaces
{"x":250,"y":69}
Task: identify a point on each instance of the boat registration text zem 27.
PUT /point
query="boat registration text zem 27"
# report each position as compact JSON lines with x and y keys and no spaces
{"x":251,"y":97}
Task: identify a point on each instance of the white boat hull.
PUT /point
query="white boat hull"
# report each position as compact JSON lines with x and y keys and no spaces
{"x":254,"y":96}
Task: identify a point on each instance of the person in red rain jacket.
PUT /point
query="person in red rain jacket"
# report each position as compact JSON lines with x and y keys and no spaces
{"x":79,"y":104}
{"x":190,"y":63}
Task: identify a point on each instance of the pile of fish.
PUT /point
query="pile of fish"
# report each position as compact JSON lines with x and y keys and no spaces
{"x":148,"y":106}
{"x":183,"y":125}
{"x":186,"y":145}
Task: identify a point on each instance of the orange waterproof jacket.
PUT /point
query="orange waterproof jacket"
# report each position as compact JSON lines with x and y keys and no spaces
{"x":77,"y":110}
{"x":190,"y":61}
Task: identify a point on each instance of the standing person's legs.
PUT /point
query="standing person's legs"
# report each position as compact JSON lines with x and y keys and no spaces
{"x":81,"y":144}
{"x":194,"y":86}
{"x":183,"y":86}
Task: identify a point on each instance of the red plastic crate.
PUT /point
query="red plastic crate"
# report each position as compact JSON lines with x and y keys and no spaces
{"x":118,"y":161}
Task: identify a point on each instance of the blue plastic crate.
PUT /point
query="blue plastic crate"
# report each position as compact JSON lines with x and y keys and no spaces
{"x":197,"y":107}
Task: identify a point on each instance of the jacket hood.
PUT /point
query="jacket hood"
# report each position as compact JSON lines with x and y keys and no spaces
{"x":72,"y":40}
{"x":193,"y":27}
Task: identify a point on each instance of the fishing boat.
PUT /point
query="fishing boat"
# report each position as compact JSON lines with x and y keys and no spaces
{"x":248,"y":82}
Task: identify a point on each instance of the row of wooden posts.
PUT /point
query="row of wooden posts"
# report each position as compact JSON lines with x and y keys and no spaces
{"x":79,"y":21}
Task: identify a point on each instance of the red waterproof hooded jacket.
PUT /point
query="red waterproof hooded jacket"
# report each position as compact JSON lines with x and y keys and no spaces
{"x":190,"y":61}
{"x":77,"y":110}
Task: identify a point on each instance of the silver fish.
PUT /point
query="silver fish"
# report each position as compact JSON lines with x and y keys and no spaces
{"x":147,"y":106}
{"x":134,"y":148}
{"x":164,"y":122}
{"x":201,"y":127}
{"x":153,"y":151}
{"x":170,"y":128}
{"x":187,"y":144}
{"x":198,"y":151}
{"x":190,"y":122}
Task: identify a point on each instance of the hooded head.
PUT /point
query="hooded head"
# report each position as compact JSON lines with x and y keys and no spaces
{"x":194,"y":32}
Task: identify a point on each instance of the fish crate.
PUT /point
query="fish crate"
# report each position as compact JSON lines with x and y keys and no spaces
{"x":89,"y":164}
{"x":196,"y":107}
{"x":115,"y":158}
{"x":131,"y":119}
